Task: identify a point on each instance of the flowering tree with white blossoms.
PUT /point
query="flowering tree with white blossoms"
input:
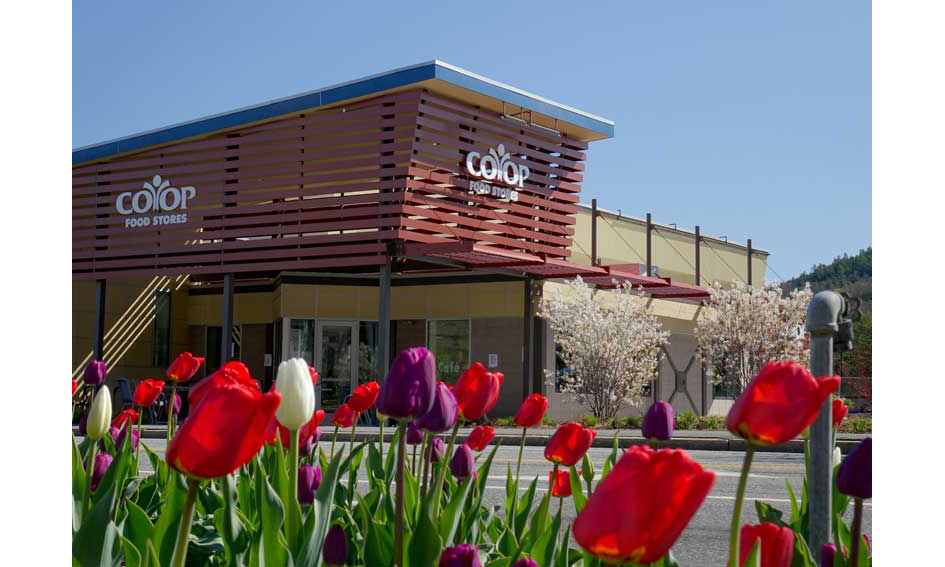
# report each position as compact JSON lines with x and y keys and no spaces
{"x":609,"y":341}
{"x":745,"y":328}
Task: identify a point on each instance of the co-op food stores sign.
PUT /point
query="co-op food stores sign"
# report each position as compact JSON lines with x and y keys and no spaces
{"x":496,"y":165}
{"x":155,"y":204}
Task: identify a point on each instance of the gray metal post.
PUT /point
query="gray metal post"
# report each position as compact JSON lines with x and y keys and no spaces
{"x":649,"y":249}
{"x":383,"y":321}
{"x":528,"y":341}
{"x":226,"y":333}
{"x":593,"y":232}
{"x":749,"y":261}
{"x":98,"y":345}
{"x":698,"y":267}
{"x":822,"y":316}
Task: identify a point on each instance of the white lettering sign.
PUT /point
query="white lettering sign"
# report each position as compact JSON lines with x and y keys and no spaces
{"x":497,"y":165}
{"x":482,"y":188}
{"x":158,"y":196}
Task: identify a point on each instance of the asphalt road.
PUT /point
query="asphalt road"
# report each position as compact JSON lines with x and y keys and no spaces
{"x":705,"y":540}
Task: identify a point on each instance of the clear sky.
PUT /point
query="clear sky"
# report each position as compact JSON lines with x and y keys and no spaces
{"x":750,"y":119}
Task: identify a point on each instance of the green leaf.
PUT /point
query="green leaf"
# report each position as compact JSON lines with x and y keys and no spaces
{"x":802,"y":556}
{"x":94,"y":543}
{"x":767,"y":513}
{"x":483,"y":472}
{"x":795,"y":512}
{"x":543,"y":552}
{"x":577,"y":491}
{"x":273,"y":548}
{"x":425,"y":543}
{"x":165,"y":529}
{"x":525,"y":508}
{"x":754,"y":557}
{"x":138,"y":528}
{"x":79,"y":483}
{"x":131,"y":553}
{"x":374,"y":467}
{"x":235,"y":540}
{"x":540,"y":521}
{"x":317,"y":522}
{"x":562,"y":556}
{"x":449,"y":521}
{"x":379,"y":545}
{"x":511,"y":492}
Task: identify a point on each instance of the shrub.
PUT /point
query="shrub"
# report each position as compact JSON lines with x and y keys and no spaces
{"x":686,"y":420}
{"x":589,"y":421}
{"x":857,"y":425}
{"x":549,"y":422}
{"x":504,"y":421}
{"x":711,"y":423}
{"x":633,"y":422}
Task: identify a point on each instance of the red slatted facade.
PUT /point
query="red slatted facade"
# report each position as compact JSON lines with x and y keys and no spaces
{"x":327,"y":190}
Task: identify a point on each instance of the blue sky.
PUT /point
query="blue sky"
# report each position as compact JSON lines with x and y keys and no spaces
{"x":750,"y":119}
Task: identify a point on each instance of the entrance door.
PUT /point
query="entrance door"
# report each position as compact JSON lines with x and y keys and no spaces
{"x":335,"y":362}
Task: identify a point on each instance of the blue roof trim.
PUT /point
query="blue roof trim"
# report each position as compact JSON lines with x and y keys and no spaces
{"x":338,"y":93}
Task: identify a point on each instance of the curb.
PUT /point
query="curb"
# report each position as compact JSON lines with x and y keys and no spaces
{"x":601,"y":442}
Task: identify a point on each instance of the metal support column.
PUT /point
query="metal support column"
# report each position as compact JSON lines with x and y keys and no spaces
{"x":822,"y":323}
{"x":593,"y":232}
{"x":749,"y":261}
{"x":98,"y":346}
{"x":226,"y":333}
{"x":698,"y":258}
{"x":383,"y":321}
{"x":528,"y":341}
{"x":649,"y":248}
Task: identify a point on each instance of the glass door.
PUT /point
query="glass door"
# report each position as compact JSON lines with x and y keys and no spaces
{"x":336,"y":365}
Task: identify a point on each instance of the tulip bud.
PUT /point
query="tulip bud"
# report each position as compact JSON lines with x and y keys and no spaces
{"x":308,"y":444}
{"x":135,"y":437}
{"x":827,"y":554}
{"x":407,"y":393}
{"x":442,"y":416}
{"x":525,"y":562}
{"x":479,"y":437}
{"x":436,"y":450}
{"x":837,"y":456}
{"x":414,"y":435}
{"x":855,"y":477}
{"x":659,"y":422}
{"x":75,"y":386}
{"x":99,"y":414}
{"x":102,"y":462}
{"x":335,"y":550}
{"x":464,"y":555}
{"x":310,"y":478}
{"x":461,"y":465}
{"x":95,"y":373}
{"x":294,"y":385}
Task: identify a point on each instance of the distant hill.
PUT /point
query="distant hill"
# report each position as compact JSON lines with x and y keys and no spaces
{"x":852,"y":274}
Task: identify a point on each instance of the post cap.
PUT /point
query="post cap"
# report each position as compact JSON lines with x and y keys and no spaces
{"x":823,"y":313}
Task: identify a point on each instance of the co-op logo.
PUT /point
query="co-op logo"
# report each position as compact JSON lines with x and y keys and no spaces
{"x":497,"y":165}
{"x":155,"y":196}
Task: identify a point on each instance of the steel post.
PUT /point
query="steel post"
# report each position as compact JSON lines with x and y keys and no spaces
{"x":649,"y":248}
{"x":698,"y":266}
{"x":383,"y":320}
{"x":528,"y":340}
{"x":822,"y":316}
{"x":749,"y":262}
{"x":226,"y":333}
{"x":98,"y":346}
{"x":593,"y":232}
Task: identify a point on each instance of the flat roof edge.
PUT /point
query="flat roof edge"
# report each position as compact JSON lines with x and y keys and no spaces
{"x":403,"y":76}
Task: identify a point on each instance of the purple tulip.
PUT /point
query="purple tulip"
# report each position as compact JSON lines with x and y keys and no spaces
{"x":408,"y":391}
{"x":442,"y":415}
{"x":461,"y":465}
{"x":658,"y":423}
{"x":308,"y":445}
{"x":438,"y":448}
{"x":310,"y":478}
{"x":525,"y":562}
{"x":82,"y":424}
{"x":95,"y":373}
{"x":102,"y":462}
{"x":414,"y":435}
{"x":135,"y":437}
{"x":335,"y":550}
{"x":827,"y":553}
{"x":464,"y":555}
{"x":855,"y":477}
{"x":176,"y":406}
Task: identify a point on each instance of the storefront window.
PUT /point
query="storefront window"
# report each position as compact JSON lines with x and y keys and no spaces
{"x":301,"y":342}
{"x":448,"y":340}
{"x":367,"y":352}
{"x":161,"y":345}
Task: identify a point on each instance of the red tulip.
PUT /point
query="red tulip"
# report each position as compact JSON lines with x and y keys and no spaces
{"x":128,"y":416}
{"x":75,"y":385}
{"x":779,"y":403}
{"x":569,"y":443}
{"x":184,"y":367}
{"x":364,"y":396}
{"x":639,"y":510}
{"x":777,"y":544}
{"x":314,"y":373}
{"x":227,"y":424}
{"x":532,"y":411}
{"x":477,"y":391}
{"x":147,"y":391}
{"x":480,"y":437}
{"x":344,"y":416}
{"x":307,"y":431}
{"x":560,"y":486}
{"x":839,"y":411}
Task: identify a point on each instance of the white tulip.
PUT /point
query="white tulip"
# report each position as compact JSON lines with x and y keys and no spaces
{"x":100,"y":415}
{"x":837,"y":456}
{"x":294,"y":384}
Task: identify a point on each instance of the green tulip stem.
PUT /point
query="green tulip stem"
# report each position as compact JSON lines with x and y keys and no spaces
{"x":186,"y":520}
{"x":351,"y":471}
{"x":380,"y":444}
{"x":89,"y":468}
{"x":171,"y":416}
{"x":441,"y":472}
{"x":426,"y":445}
{"x":290,"y":526}
{"x":855,"y":536}
{"x":521,"y":449}
{"x":399,"y":510}
{"x":333,"y":437}
{"x":737,"y":513}
{"x":140,"y":437}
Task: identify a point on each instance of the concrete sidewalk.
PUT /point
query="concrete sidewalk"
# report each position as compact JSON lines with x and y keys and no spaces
{"x":538,"y":437}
